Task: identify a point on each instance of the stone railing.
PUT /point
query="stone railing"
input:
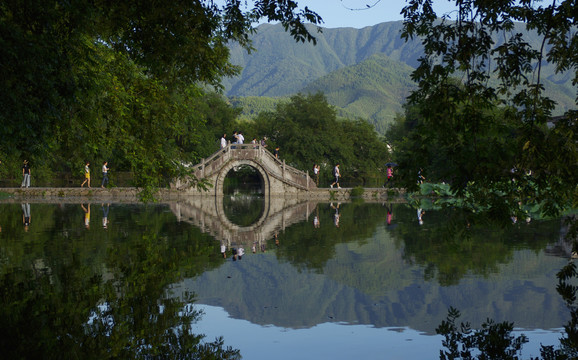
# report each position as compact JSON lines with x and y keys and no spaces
{"x":257,"y":153}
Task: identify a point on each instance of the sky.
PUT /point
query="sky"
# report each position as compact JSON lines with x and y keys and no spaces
{"x":357,"y":14}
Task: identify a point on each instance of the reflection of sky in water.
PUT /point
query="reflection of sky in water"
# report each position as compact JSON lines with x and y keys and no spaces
{"x":333,"y":340}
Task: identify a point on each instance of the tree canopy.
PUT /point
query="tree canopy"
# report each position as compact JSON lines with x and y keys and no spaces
{"x":493,"y":139}
{"x":308,"y":132}
{"x":107,"y":80}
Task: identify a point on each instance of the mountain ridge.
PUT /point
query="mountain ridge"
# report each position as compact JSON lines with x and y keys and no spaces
{"x":279,"y":67}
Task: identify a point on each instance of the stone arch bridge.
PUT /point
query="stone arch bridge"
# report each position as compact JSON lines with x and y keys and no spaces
{"x":278,"y":178}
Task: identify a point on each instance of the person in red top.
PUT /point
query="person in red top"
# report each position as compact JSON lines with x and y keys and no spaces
{"x":389,"y":174}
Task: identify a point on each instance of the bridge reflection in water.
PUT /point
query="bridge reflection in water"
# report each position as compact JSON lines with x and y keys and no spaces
{"x":208,"y":213}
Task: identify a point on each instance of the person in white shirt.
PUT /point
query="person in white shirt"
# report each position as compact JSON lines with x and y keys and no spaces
{"x":223,"y":141}
{"x":104,"y":174}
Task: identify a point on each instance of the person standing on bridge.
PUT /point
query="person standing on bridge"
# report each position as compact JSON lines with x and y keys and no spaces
{"x":276,"y":152}
{"x":336,"y":174}
{"x":224,"y":141}
{"x":316,"y":169}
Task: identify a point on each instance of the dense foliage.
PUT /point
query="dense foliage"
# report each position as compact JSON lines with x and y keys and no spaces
{"x":493,"y":141}
{"x":105,"y":80}
{"x":489,"y":139}
{"x":373,"y":89}
{"x":307,"y":131}
{"x":102,"y":292}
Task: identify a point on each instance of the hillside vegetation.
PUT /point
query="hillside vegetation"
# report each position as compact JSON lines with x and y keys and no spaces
{"x":374,"y":89}
{"x":365,"y":72}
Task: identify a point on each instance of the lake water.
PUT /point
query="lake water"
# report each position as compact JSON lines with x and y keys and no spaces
{"x":303,"y":280}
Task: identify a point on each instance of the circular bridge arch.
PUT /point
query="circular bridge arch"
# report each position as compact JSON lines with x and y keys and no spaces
{"x":219,"y":184}
{"x":220,"y":180}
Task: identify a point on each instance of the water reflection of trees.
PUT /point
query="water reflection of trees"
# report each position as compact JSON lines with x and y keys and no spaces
{"x":449,"y":245}
{"x":96,"y":298}
{"x":310,"y":248}
{"x":495,"y":340}
{"x":242,"y":209}
{"x":452,"y":243}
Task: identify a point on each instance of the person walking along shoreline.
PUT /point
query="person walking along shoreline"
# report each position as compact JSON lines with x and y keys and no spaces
{"x":336,"y":174}
{"x":86,"y":175}
{"x":25,"y":174}
{"x":104,"y":174}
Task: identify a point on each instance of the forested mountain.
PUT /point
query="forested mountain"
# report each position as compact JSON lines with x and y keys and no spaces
{"x":374,"y":89}
{"x":363,"y":72}
{"x":280,"y":66}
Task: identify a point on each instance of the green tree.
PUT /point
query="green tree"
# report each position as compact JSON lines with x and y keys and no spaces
{"x":308,"y":131}
{"x":130,"y":70}
{"x":481,"y":143}
{"x":492,"y":341}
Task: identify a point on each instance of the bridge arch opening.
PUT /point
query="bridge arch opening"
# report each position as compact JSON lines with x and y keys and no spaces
{"x":244,"y":195}
{"x":243,"y":180}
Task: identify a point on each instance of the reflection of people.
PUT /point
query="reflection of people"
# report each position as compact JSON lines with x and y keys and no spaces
{"x":235,"y":252}
{"x":105,"y":216}
{"x":254,"y":248}
{"x":420,"y":213}
{"x":86,"y":175}
{"x":26,"y":215}
{"x":389,"y":215}
{"x":337,"y":215}
{"x":276,"y":240}
{"x":224,"y":250}
{"x":316,"y":222}
{"x":240,"y":252}
{"x":104,"y":174}
{"x":86,"y":214}
{"x":25,"y":174}
{"x":336,"y":174}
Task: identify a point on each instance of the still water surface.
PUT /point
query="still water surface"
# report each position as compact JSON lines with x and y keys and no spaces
{"x":296,"y":280}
